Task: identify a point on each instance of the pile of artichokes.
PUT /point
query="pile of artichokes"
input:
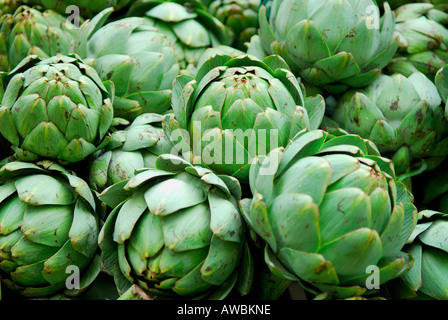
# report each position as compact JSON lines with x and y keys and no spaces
{"x":223,"y":149}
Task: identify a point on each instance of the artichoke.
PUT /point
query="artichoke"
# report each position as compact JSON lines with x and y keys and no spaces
{"x":187,"y":25}
{"x":29,"y":31}
{"x":427,"y":279}
{"x":241,"y":16}
{"x":9,"y":6}
{"x":348,"y":50}
{"x":136,"y":57}
{"x":237,"y":108}
{"x":56,"y":108}
{"x":403,"y":116}
{"x":135,"y":147}
{"x":178,"y":233}
{"x":423,"y":40}
{"x":329,"y":208}
{"x":48,"y":230}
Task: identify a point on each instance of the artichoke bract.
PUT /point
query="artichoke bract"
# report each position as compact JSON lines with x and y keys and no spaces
{"x":136,"y":57}
{"x":135,"y":147}
{"x":347,"y":50}
{"x":395,"y":3}
{"x":441,"y":82}
{"x":439,"y":4}
{"x":178,"y":233}
{"x":223,"y":50}
{"x":331,"y":211}
{"x":5,"y":145}
{"x":427,"y":279}
{"x":237,"y":108}
{"x":423,"y":40}
{"x":241,"y":16}
{"x":48,"y":230}
{"x":56,"y":109}
{"x":29,"y":31}
{"x":187,"y":24}
{"x":403,"y":116}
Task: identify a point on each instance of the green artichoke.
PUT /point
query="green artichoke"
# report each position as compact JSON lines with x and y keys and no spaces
{"x":178,"y":233}
{"x":29,"y":31}
{"x":403,"y":116}
{"x":48,"y":230}
{"x":136,"y":57}
{"x":329,"y":208}
{"x":241,"y":16}
{"x":348,"y":50}
{"x":423,"y":40}
{"x":9,"y":6}
{"x":135,"y":147}
{"x":56,"y":108}
{"x":237,"y":108}
{"x":187,"y":25}
{"x":427,"y":279}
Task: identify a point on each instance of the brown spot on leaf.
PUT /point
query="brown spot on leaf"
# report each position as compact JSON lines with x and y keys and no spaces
{"x":419,"y":116}
{"x":433,"y":45}
{"x":321,"y":267}
{"x":394,"y":106}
